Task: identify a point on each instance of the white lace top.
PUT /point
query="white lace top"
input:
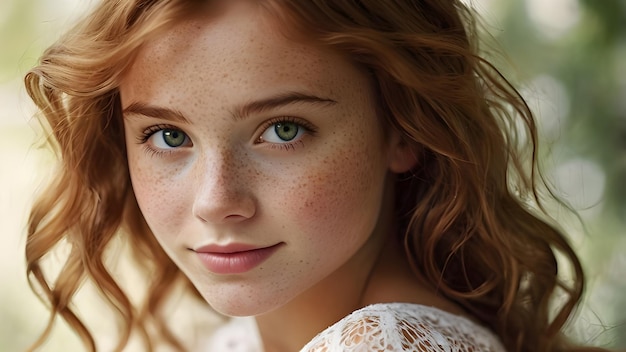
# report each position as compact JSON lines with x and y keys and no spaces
{"x":384,"y":327}
{"x":404,"y":327}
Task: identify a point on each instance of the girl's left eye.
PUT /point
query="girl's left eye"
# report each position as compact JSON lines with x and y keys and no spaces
{"x":284,"y":132}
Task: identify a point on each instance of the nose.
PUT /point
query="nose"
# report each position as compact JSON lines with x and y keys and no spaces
{"x":223,"y":192}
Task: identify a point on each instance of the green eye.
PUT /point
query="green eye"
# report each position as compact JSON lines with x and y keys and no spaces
{"x":174,"y":138}
{"x":286,"y":130}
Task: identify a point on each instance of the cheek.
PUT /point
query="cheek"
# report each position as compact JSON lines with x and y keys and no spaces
{"x":339,"y":200}
{"x":343,"y":193}
{"x":160,"y":202}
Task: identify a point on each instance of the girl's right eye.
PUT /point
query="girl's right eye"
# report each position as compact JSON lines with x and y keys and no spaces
{"x":164,"y":138}
{"x":169,"y":138}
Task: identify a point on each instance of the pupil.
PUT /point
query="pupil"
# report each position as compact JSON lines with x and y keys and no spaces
{"x":286,"y":130}
{"x":173,"y":138}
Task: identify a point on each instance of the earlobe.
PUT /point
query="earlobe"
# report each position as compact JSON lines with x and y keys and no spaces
{"x":402,"y":156}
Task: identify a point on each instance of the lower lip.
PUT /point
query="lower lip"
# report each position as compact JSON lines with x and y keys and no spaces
{"x":237,"y":262}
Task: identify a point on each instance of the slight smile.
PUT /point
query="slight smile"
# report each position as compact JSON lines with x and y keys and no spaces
{"x":234,"y":258}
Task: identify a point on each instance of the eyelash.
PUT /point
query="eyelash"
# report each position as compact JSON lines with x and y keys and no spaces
{"x":148,"y":132}
{"x":309,"y":129}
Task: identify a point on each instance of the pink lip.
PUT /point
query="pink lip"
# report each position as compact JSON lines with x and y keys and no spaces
{"x":234,"y":258}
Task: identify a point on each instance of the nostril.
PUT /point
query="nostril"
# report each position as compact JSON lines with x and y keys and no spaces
{"x":221,"y":208}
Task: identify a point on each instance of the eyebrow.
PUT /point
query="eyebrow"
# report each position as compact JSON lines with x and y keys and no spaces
{"x":240,"y":112}
{"x":139,"y":108}
{"x":277,"y":101}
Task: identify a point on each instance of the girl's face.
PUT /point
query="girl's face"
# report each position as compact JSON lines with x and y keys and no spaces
{"x":258,"y":163}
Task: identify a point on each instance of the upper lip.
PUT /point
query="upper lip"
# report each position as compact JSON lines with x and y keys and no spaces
{"x":229,"y":248}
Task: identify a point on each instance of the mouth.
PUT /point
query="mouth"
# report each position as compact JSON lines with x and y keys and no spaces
{"x":234,"y":258}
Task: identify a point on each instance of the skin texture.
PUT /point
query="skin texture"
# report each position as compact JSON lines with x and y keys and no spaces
{"x":325,"y":198}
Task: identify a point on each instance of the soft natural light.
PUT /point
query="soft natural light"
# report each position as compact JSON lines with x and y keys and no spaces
{"x":581,"y":183}
{"x":554,"y":18}
{"x":548,"y":99}
{"x":557,"y":87}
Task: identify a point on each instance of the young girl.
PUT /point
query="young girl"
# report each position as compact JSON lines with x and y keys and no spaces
{"x":347,"y":172}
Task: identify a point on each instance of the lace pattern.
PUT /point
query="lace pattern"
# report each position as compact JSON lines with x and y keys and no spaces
{"x":404,"y":327}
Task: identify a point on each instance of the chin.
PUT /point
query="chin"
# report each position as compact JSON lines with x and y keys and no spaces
{"x":242,"y":309}
{"x":242,"y":304}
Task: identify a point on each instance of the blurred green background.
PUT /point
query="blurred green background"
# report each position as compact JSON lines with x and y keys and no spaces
{"x":568,"y":57}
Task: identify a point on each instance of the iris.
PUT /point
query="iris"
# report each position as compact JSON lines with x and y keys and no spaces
{"x":286,"y":130}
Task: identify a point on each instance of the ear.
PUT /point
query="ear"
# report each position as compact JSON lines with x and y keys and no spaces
{"x":402,"y":156}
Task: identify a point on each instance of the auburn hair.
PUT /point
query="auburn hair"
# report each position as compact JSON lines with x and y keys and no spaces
{"x":470,"y":210}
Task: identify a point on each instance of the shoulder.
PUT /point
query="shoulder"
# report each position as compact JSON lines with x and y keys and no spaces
{"x":404,"y":327}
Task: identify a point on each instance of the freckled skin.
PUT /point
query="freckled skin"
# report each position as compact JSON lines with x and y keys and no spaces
{"x":322,"y":198}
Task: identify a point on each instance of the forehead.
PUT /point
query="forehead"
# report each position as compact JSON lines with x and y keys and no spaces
{"x":236,"y":45}
{"x":227,"y":28}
